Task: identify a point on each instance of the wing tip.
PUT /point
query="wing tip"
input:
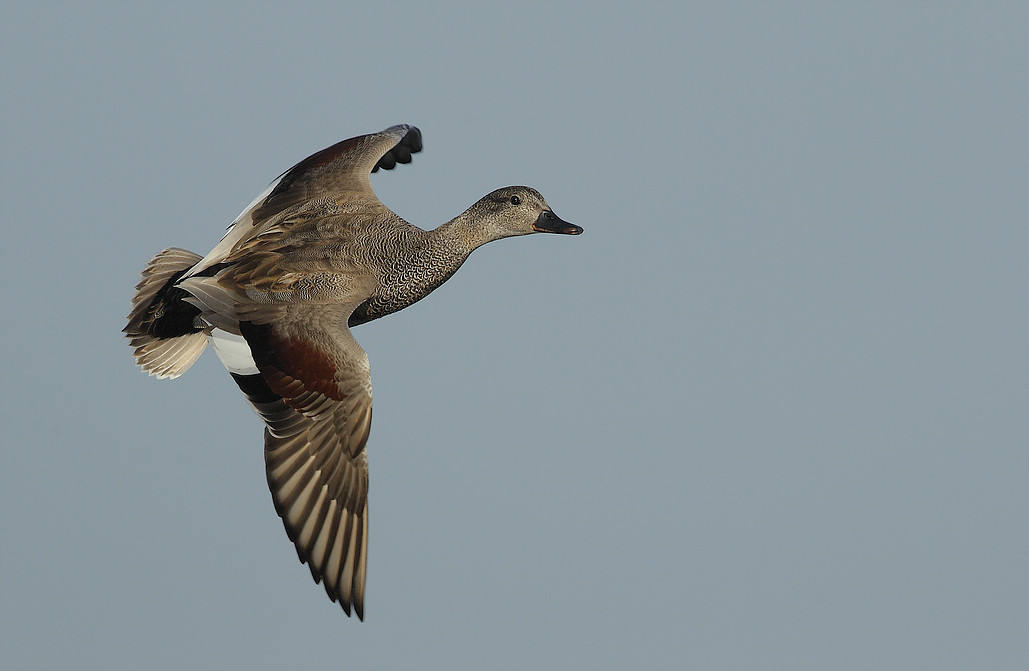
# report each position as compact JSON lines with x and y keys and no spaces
{"x":409,"y":142}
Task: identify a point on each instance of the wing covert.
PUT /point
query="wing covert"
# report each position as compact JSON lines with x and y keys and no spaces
{"x":345,"y":166}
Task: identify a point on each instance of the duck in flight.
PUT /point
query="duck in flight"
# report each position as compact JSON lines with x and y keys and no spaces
{"x":313,"y":256}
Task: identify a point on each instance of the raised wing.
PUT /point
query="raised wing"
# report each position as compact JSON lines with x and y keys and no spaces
{"x":343,"y":167}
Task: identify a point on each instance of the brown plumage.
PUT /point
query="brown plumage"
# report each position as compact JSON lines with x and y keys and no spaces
{"x":313,"y":255}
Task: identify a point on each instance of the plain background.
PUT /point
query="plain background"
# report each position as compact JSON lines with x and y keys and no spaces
{"x":768,"y":412}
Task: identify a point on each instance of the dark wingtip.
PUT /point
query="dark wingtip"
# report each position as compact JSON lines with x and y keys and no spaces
{"x":355,"y":609}
{"x":410,"y":144}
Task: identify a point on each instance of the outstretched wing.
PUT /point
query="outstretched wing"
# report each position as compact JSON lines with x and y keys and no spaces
{"x":314,"y":393}
{"x":343,"y":167}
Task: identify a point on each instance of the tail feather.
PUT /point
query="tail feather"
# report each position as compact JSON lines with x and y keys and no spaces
{"x":163,"y":329}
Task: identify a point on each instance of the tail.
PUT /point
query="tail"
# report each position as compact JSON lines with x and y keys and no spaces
{"x":165,"y":331}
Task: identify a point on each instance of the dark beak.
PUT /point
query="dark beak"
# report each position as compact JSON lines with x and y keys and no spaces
{"x":548,"y":222}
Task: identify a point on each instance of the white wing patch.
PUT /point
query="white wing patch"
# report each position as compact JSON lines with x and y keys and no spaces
{"x":233,"y":351}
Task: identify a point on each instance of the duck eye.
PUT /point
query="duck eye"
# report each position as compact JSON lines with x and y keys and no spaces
{"x":515,"y":200}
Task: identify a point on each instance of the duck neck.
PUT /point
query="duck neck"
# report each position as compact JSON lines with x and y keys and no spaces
{"x":430,"y":258}
{"x":465,"y":232}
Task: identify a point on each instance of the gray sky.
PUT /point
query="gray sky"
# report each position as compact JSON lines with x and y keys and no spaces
{"x":769,"y":412}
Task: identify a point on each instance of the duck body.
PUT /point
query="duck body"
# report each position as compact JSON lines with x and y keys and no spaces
{"x":315,"y":254}
{"x":329,"y":245}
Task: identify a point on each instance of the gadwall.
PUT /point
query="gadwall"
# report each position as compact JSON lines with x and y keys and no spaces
{"x":315,"y":254}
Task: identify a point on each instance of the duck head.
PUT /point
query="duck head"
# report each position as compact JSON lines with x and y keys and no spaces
{"x":519,"y":210}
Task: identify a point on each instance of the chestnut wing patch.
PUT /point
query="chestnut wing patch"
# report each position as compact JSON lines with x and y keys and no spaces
{"x":291,"y":365}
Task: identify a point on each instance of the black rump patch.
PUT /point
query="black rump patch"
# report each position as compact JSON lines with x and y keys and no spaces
{"x":170,"y":315}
